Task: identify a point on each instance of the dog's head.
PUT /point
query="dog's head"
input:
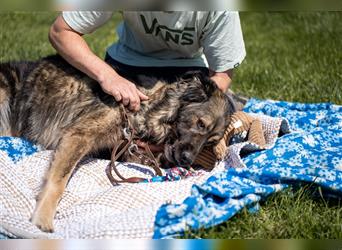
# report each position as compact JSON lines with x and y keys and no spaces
{"x":201,"y":120}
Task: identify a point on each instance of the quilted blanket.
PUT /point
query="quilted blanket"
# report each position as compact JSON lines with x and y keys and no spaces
{"x":164,"y":207}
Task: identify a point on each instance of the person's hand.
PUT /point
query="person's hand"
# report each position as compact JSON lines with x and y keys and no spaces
{"x":222,"y":79}
{"x":123,"y":91}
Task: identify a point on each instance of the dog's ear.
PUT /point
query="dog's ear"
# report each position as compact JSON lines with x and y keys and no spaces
{"x":194,"y":94}
{"x":200,"y":86}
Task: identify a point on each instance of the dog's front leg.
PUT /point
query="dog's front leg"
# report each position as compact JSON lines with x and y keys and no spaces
{"x":68,"y":153}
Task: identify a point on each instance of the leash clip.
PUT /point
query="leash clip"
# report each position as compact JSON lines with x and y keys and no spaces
{"x":127,"y":133}
{"x":132,"y":148}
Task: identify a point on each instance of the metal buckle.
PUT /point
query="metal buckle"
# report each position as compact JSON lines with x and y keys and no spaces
{"x":132,"y":148}
{"x":127,"y":133}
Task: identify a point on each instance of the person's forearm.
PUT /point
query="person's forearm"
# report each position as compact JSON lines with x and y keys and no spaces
{"x":222,"y":79}
{"x":73,"y":48}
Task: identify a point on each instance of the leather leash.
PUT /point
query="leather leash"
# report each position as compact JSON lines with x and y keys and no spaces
{"x":133,"y":149}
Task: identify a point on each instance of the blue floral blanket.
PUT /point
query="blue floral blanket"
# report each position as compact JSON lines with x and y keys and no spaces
{"x":311,"y":153}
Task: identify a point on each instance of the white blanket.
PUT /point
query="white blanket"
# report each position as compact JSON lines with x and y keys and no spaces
{"x":91,"y":207}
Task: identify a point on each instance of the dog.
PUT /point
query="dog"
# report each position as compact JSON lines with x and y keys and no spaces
{"x":53,"y":104}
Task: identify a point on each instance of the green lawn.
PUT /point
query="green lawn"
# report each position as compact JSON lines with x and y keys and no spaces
{"x":290,"y":56}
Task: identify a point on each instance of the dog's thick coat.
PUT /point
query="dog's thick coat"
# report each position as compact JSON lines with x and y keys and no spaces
{"x":51,"y":103}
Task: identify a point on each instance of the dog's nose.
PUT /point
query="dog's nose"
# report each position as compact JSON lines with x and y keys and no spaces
{"x":186,"y":158}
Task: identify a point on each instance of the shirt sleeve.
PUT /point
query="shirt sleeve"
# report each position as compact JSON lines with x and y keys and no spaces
{"x":222,"y":41}
{"x":86,"y":22}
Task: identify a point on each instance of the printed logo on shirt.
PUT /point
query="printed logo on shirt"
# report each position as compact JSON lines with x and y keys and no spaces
{"x":182,"y":37}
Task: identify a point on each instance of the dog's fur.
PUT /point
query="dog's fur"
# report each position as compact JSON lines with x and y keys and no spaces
{"x":51,"y":103}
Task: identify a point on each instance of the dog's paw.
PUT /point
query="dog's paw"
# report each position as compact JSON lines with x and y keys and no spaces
{"x":43,"y":223}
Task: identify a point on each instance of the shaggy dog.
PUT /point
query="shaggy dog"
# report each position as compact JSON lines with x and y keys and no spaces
{"x":51,"y":103}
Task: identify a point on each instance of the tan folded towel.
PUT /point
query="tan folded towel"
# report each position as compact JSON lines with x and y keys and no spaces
{"x":241,"y":122}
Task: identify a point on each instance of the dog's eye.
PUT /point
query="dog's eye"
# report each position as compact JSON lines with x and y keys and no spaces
{"x":200,"y":124}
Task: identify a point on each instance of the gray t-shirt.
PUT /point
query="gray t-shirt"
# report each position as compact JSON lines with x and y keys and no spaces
{"x":174,"y":38}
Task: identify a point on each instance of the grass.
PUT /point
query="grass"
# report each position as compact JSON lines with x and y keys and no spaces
{"x":300,"y":214}
{"x":24,"y":35}
{"x":290,"y":56}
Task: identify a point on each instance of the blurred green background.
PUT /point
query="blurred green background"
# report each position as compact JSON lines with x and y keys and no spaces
{"x":292,"y":56}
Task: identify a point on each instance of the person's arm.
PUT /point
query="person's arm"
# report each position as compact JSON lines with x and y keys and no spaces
{"x":223,"y":46}
{"x":222,"y":79}
{"x":74,"y":49}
